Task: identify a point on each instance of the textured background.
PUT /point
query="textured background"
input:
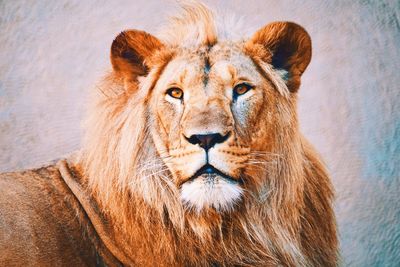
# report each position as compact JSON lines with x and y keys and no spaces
{"x":53,"y":52}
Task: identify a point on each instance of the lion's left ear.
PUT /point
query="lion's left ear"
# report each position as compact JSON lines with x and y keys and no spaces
{"x":130,"y":51}
{"x":288,"y":47}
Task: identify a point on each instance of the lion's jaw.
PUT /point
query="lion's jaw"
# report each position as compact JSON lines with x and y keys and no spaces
{"x":208,"y":179}
{"x":211,"y":191}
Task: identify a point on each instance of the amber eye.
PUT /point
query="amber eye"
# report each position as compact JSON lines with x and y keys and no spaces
{"x":241,"y":89}
{"x":175,"y":93}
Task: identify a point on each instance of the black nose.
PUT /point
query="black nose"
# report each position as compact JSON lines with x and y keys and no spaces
{"x":207,"y":141}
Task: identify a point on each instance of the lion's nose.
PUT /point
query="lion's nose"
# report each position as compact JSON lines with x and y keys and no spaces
{"x":207,"y":141}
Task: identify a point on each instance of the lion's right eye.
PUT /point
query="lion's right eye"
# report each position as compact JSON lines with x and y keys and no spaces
{"x":241,"y":89}
{"x":175,"y":93}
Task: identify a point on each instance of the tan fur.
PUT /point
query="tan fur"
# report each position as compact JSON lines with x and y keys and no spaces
{"x":136,"y":158}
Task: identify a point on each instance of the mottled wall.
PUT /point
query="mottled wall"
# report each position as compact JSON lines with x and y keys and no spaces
{"x":53,"y":52}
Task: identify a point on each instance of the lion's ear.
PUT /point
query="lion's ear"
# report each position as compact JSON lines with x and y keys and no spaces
{"x":288,"y":47}
{"x":130,"y":50}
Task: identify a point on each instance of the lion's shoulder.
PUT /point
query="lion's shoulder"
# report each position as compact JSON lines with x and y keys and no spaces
{"x":38,"y":220}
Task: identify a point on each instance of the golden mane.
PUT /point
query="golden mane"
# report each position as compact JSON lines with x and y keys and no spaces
{"x":194,"y":28}
{"x":133,"y":185}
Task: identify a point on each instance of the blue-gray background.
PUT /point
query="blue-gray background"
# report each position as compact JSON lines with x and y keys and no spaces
{"x":53,"y":52}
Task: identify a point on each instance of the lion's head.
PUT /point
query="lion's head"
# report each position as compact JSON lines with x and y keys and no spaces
{"x":219,"y":108}
{"x":197,"y":125}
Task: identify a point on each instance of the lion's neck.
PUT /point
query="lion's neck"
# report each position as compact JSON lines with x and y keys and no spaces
{"x":205,"y":238}
{"x":140,"y":231}
{"x":155,"y":229}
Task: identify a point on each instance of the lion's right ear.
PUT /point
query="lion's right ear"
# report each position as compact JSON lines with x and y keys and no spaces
{"x":130,"y":50}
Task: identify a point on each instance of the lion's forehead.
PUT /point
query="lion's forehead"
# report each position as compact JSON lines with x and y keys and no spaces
{"x":222,"y":63}
{"x":231,"y":62}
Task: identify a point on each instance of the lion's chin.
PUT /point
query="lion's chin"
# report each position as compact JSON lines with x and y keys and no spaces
{"x":211,"y":190}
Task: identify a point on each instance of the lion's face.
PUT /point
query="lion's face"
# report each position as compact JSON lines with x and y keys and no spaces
{"x":210,"y":111}
{"x":215,"y":111}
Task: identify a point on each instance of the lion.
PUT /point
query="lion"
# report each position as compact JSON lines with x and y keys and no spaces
{"x":192,"y":157}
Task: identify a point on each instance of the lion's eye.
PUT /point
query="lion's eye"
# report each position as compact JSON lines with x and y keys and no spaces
{"x":241,"y":89}
{"x":175,"y":93}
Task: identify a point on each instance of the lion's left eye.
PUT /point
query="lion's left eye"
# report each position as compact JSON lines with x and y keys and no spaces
{"x":175,"y":93}
{"x":241,"y":89}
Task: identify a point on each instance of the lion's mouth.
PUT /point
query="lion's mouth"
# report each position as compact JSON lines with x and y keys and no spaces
{"x":210,"y":187}
{"x":211,"y":172}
